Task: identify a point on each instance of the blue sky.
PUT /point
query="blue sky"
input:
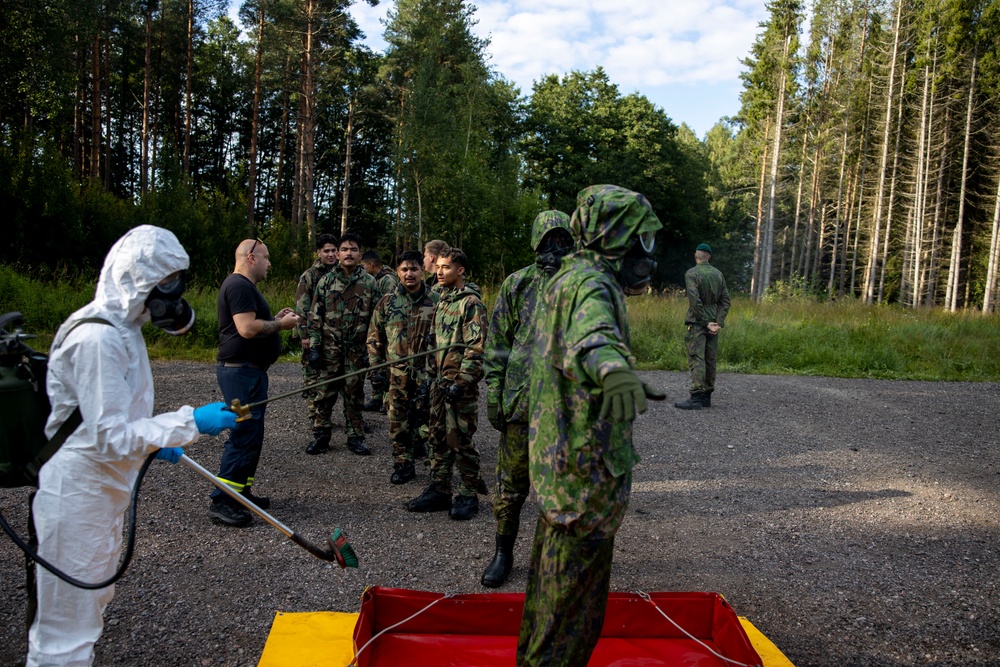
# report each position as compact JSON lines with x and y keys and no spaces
{"x":684,"y":55}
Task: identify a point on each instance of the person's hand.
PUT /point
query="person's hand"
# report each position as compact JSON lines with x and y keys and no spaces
{"x":314,"y":358}
{"x":624,"y":396}
{"x":283,"y":313}
{"x":214,"y":418}
{"x":494,"y":414}
{"x":288,"y":319}
{"x":714,"y":328}
{"x":305,"y":344}
{"x":453,"y":393}
{"x":172,"y":454}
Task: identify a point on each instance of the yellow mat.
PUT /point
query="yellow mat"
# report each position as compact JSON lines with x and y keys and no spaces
{"x":323,"y":639}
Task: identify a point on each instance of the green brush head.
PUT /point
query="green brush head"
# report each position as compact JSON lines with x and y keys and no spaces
{"x":342,"y":549}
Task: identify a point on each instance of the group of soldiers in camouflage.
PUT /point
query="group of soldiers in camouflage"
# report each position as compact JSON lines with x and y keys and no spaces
{"x":561,"y":389}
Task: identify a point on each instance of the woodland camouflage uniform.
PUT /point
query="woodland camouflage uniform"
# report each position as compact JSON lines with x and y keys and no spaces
{"x":401,"y":326}
{"x":338,"y":326}
{"x":580,"y":464}
{"x":708,"y":301}
{"x":507,"y":367}
{"x":460,"y":318}
{"x":385,"y":283}
{"x":305,"y":297}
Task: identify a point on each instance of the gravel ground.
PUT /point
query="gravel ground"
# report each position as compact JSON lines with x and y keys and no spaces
{"x":854,"y":522}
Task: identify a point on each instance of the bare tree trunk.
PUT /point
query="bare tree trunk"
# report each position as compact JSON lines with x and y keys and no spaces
{"x":755,"y":277}
{"x":932,"y":263}
{"x":187,"y":87}
{"x":147,"y":73}
{"x":989,"y":297}
{"x":892,"y":184}
{"x":883,"y":164}
{"x":347,"y":165}
{"x":840,"y":210}
{"x":309,"y":119}
{"x":282,"y":143}
{"x":772,"y":198}
{"x":107,"y":106}
{"x":954,"y":271}
{"x":798,"y":201}
{"x":95,"y":109}
{"x":255,"y":125}
{"x":923,"y":144}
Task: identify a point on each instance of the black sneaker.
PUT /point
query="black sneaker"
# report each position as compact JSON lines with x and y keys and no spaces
{"x":464,"y":508}
{"x":357,"y":445}
{"x":402,"y":472}
{"x":431,"y":500}
{"x":229,"y":514}
{"x":262,"y":502}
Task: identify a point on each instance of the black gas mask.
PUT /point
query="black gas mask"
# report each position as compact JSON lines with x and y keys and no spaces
{"x":638,"y":265}
{"x":167,"y":310}
{"x":555,"y":245}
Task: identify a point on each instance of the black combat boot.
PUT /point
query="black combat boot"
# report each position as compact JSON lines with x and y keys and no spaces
{"x":706,"y":399}
{"x":431,"y":500}
{"x":499,"y":568}
{"x":402,"y":472}
{"x":321,"y":441}
{"x":693,"y":403}
{"x":464,"y":508}
{"x":357,"y":446}
{"x":372,"y":405}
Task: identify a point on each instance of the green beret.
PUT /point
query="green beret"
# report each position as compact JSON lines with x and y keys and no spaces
{"x":704,"y":246}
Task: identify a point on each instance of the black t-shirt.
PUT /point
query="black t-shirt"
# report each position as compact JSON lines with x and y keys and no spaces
{"x":239,"y":295}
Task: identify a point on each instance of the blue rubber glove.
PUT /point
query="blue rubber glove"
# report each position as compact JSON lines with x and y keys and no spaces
{"x":214,"y":418}
{"x":172,"y":454}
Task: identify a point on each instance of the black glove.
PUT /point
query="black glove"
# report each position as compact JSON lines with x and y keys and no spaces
{"x":379,"y":379}
{"x":454,"y":393}
{"x":314,"y":358}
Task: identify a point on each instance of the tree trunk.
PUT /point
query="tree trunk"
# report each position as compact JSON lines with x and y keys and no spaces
{"x":187,"y":87}
{"x":840,"y":210}
{"x":146,"y":75}
{"x":883,"y":164}
{"x":932,"y":263}
{"x":755,"y":278}
{"x":255,"y":126}
{"x":282,"y":143}
{"x":989,"y":297}
{"x":347,"y":165}
{"x":954,"y":272}
{"x":772,"y":198}
{"x":309,"y":119}
{"x":95,"y":109}
{"x":892,"y":184}
{"x":798,"y":201}
{"x":923,"y":144}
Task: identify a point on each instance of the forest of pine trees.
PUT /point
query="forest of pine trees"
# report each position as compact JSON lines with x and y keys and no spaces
{"x":863,"y":162}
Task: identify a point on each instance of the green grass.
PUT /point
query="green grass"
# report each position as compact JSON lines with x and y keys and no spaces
{"x":795,"y":336}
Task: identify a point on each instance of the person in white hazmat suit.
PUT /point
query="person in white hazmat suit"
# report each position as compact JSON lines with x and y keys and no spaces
{"x":85,"y":487}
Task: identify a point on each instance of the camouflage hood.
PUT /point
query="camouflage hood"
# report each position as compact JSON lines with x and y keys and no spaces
{"x":609,"y":219}
{"x":457,"y":293}
{"x":545,"y":223}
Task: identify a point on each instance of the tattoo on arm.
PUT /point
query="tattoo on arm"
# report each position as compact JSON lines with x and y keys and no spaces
{"x":269,"y":327}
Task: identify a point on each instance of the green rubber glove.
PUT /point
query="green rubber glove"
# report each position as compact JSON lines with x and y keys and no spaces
{"x":624,"y":396}
{"x":493,"y":413}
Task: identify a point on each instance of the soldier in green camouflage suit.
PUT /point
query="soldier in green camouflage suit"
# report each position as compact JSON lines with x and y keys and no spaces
{"x":401,"y":326}
{"x":507,"y":365}
{"x":305,"y":297}
{"x":708,"y":305}
{"x":460,"y":318}
{"x":583,"y":396}
{"x":385,"y":282}
{"x":338,"y":327}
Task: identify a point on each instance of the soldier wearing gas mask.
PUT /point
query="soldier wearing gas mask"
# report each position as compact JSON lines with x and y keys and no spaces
{"x":507,"y":365}
{"x":583,"y":396}
{"x":99,"y":364}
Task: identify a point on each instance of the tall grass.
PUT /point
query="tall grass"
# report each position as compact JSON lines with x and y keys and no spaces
{"x":792,"y":336}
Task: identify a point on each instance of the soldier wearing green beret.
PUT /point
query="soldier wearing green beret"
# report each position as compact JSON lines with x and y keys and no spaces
{"x":583,"y":395}
{"x":708,"y":305}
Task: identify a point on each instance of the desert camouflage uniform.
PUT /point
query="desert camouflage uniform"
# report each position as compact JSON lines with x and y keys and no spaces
{"x":708,"y":301}
{"x":305,"y":297}
{"x":460,"y":317}
{"x":338,"y":326}
{"x":507,"y":365}
{"x":401,"y":325}
{"x":580,"y":465}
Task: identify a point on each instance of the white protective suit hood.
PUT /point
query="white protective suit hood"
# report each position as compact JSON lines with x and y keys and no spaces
{"x":84,"y":488}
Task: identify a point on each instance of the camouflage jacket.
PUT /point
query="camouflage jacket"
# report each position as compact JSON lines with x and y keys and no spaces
{"x":460,"y":317}
{"x":401,"y":325}
{"x":305,"y":293}
{"x":340,"y":316}
{"x":707,"y":295}
{"x":385,"y":281}
{"x":507,"y":363}
{"x":576,"y":459}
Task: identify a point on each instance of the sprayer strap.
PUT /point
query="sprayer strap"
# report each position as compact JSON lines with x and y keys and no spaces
{"x":68,"y":426}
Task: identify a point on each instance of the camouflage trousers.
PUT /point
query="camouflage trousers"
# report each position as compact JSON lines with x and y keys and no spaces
{"x":450,"y":437}
{"x":702,"y":349}
{"x":513,"y":482}
{"x":407,"y":427}
{"x":325,"y":398}
{"x":567,"y":593}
